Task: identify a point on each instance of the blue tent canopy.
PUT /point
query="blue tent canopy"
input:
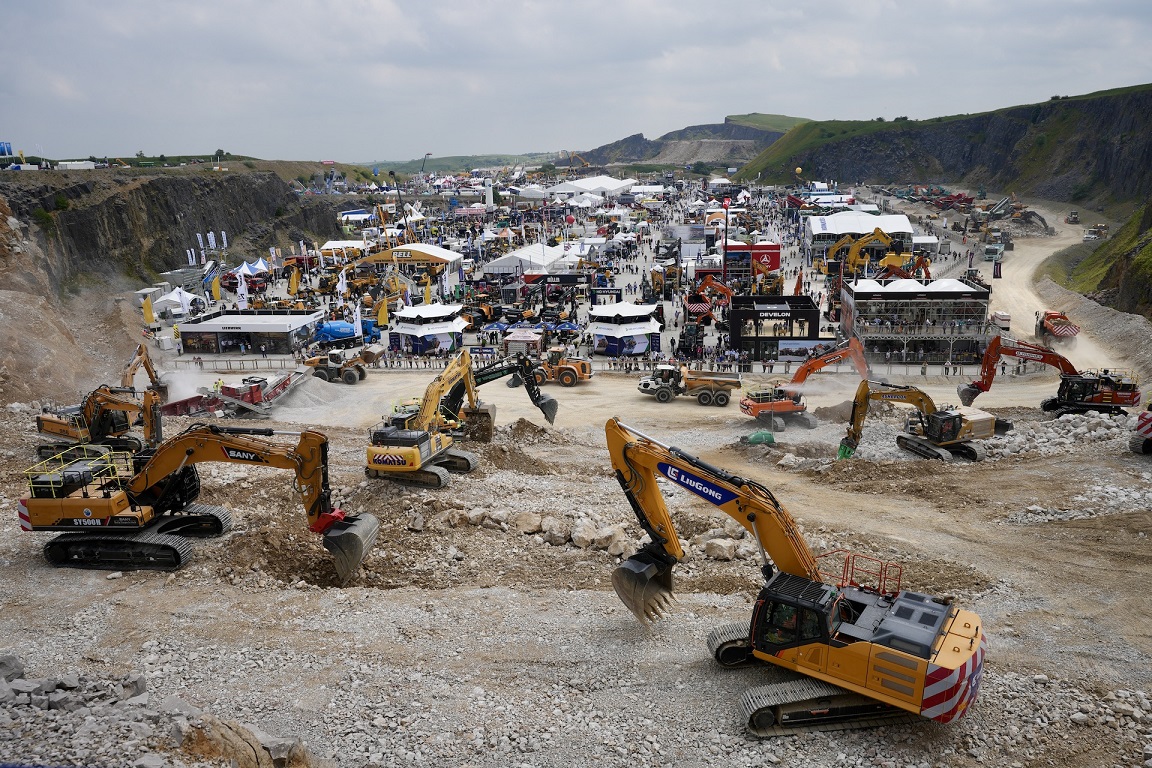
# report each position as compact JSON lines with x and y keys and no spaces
{"x":495,"y":326}
{"x":567,"y":326}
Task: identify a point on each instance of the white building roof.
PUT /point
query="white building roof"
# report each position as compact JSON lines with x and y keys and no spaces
{"x":455,"y":325}
{"x":529,"y":258}
{"x":258,"y":323}
{"x":429,"y":311}
{"x":857,"y":223}
{"x":600,"y":185}
{"x":624,"y":329}
{"x":622,"y":308}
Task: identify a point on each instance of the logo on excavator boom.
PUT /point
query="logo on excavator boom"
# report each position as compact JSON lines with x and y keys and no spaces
{"x":239,"y":454}
{"x":697,"y":485}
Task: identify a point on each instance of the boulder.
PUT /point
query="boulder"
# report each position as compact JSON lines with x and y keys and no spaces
{"x":720,"y":549}
{"x":526,"y":522}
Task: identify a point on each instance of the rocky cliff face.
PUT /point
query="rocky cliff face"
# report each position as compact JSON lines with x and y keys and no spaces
{"x":710,"y":143}
{"x":73,"y":245}
{"x":138,"y":226}
{"x":1095,"y":148}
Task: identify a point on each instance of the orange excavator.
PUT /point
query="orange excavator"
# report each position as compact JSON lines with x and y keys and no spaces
{"x":775,"y":406}
{"x":922,"y":264}
{"x":1107,"y":390}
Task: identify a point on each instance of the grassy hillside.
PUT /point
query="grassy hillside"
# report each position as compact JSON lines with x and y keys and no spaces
{"x":774,"y":123}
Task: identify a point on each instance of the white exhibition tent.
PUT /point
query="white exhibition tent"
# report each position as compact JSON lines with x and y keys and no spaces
{"x":177,"y":299}
{"x":530,"y":258}
{"x":598,"y":185}
{"x":857,"y":223}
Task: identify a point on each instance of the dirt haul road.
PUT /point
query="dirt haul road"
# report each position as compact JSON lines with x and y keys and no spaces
{"x":483,"y":631}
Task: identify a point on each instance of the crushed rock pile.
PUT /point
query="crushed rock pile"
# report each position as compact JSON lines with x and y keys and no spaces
{"x":116,"y":723}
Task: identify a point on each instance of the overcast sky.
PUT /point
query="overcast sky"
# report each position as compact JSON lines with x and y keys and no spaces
{"x":363,"y":80}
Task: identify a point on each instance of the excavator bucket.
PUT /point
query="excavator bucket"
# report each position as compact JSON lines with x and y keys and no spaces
{"x":847,"y":448}
{"x":645,"y":587}
{"x":967,"y":394}
{"x":548,"y":406}
{"x":349,"y":540}
{"x":516,"y":381}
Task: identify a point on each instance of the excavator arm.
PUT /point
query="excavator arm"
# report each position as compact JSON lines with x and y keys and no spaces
{"x":857,"y":258}
{"x":348,"y":538}
{"x":1000,"y":346}
{"x":141,"y":358}
{"x":445,"y":396}
{"x":852,"y":349}
{"x":644,"y":581}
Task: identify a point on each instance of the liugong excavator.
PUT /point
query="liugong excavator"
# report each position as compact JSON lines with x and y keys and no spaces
{"x":416,"y":448}
{"x":929,"y":433}
{"x":1107,"y":390}
{"x":864,"y":651}
{"x":777,"y":405}
{"x":104,"y":418}
{"x":135,"y":511}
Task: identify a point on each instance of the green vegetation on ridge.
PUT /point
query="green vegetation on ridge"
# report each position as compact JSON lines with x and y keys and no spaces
{"x":774,"y":123}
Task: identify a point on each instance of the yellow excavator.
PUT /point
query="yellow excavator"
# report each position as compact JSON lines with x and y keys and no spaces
{"x":105,"y":417}
{"x":857,"y":257}
{"x":821,"y":262}
{"x":141,"y":359}
{"x":136,"y":511}
{"x":415,"y":447}
{"x":930,"y":433}
{"x":856,"y":650}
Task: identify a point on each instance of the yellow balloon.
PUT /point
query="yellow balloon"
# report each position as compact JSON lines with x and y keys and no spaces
{"x":798,"y":171}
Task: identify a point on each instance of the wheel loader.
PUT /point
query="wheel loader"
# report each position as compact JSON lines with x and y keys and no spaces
{"x":568,"y":371}
{"x":334,"y":366}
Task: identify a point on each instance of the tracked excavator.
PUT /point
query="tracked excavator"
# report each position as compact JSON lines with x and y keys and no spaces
{"x":137,"y":511}
{"x":142,"y":360}
{"x":417,"y":448}
{"x":929,"y":433}
{"x":776,"y":406}
{"x":1107,"y":390}
{"x":105,"y":417}
{"x":854,"y":649}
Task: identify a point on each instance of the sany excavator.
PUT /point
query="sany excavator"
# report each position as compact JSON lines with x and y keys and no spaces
{"x":864,"y":652}
{"x":128,"y":376}
{"x":417,"y":448}
{"x":930,"y":433}
{"x":776,"y":406}
{"x":104,"y":418}
{"x":136,"y":511}
{"x":1107,"y":390}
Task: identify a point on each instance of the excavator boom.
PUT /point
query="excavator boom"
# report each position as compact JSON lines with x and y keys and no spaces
{"x":141,"y":359}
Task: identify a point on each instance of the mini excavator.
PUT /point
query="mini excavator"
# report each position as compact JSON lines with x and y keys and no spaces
{"x":136,"y":511}
{"x":863,"y":652}
{"x":416,"y":447}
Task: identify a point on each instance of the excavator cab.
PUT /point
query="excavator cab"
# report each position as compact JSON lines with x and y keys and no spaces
{"x":943,"y":427}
